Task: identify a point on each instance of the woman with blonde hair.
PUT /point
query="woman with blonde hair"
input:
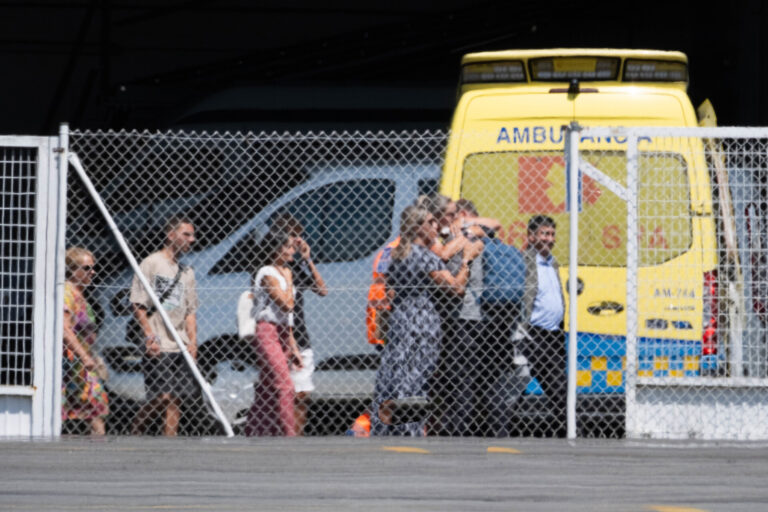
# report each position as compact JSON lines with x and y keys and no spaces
{"x":415,"y":279}
{"x":83,"y":394}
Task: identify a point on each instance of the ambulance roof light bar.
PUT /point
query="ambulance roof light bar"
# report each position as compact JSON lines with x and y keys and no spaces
{"x":641,"y":70}
{"x":585,"y":65}
{"x":489,"y":72}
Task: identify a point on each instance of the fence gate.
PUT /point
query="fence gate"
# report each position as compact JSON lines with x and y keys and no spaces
{"x":684,"y":213}
{"x":31,"y":200}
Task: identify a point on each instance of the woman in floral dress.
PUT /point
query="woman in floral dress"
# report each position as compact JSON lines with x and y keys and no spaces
{"x":416,"y":277}
{"x":83,"y":394}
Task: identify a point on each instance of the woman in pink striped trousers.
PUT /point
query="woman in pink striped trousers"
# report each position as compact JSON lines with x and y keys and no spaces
{"x":272,"y":412}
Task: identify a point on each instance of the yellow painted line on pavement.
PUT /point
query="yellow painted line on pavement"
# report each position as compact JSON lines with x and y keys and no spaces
{"x":501,"y":449}
{"x":404,"y":449}
{"x":668,"y":508}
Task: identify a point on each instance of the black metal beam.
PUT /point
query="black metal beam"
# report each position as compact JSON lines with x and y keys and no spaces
{"x":66,"y":75}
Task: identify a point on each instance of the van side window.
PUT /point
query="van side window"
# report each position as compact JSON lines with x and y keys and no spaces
{"x":342,"y":221}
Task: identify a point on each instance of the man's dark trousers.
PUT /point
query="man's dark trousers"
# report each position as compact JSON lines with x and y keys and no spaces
{"x":547,"y":355}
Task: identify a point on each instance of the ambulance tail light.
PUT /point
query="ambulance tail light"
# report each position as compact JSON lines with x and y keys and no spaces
{"x":710,"y":312}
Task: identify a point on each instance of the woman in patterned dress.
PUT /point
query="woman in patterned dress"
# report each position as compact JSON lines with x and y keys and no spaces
{"x":416,"y":277}
{"x":83,"y":394}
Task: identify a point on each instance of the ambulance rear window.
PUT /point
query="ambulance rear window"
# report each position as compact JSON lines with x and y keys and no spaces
{"x":514,"y":186}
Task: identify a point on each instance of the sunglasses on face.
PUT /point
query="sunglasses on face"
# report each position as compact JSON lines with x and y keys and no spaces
{"x":87,"y":268}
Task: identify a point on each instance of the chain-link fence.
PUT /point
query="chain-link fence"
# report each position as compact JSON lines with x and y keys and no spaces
{"x":345,"y":190}
{"x":695,"y":352}
{"x":468,"y":338}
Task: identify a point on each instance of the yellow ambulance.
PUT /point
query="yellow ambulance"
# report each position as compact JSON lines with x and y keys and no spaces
{"x":506,"y":154}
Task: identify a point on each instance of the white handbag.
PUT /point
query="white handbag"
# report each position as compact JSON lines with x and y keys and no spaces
{"x":246,"y":322}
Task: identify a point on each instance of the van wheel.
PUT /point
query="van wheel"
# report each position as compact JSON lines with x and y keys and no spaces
{"x":229,"y":366}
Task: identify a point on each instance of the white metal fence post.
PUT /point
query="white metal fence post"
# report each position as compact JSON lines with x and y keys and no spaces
{"x":43,"y":355}
{"x":61,"y":247}
{"x":632,"y":268}
{"x":573,"y":265}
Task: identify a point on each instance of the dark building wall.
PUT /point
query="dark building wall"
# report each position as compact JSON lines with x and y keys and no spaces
{"x":132,"y":64}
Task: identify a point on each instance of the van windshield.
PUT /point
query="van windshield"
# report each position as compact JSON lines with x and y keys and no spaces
{"x":514,"y":186}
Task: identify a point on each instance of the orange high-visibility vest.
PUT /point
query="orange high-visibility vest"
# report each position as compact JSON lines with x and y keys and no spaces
{"x":361,"y":427}
{"x":377,"y":293}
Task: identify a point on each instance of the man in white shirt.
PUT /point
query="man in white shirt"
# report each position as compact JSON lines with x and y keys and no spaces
{"x":167,"y":378}
{"x":543,"y":309}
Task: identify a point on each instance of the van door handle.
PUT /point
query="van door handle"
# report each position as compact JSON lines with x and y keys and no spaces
{"x":606,"y":307}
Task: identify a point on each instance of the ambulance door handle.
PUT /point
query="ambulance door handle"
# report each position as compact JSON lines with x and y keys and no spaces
{"x":606,"y":307}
